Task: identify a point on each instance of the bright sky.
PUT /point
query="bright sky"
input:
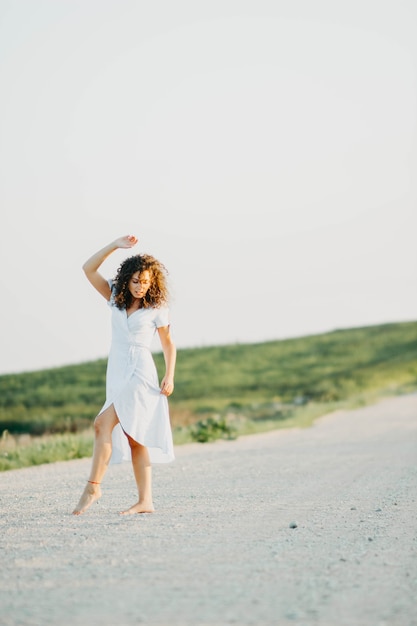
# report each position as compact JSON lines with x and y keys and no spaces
{"x":264,"y":150}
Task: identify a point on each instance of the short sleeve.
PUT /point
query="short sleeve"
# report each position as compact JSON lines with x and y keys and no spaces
{"x":162,"y":317}
{"x":112,"y":289}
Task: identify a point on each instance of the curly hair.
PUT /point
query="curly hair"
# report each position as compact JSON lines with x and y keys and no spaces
{"x":157,"y":294}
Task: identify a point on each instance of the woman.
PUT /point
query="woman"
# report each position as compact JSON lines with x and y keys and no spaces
{"x":134,"y":421}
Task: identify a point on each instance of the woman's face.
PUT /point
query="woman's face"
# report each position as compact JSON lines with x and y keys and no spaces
{"x":139,"y":283}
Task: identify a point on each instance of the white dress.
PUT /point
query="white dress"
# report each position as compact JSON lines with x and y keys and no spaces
{"x":132,"y":385}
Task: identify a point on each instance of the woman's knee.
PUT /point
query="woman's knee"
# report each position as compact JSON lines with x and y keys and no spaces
{"x":105,"y":422}
{"x":99,"y":426}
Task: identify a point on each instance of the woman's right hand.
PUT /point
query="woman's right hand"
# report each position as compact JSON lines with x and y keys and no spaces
{"x":126,"y":242}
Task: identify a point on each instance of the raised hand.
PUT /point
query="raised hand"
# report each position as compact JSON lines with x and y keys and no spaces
{"x":128,"y":241}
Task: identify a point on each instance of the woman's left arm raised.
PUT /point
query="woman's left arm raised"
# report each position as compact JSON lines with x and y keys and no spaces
{"x":170,"y":356}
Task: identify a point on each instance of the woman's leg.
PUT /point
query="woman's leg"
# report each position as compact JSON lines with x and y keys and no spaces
{"x":142,"y":470}
{"x":103,"y":428}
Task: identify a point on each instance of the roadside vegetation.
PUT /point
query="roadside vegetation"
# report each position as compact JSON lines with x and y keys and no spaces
{"x":221,"y":391}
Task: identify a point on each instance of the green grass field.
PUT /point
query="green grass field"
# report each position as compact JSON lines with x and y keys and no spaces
{"x":221,"y":391}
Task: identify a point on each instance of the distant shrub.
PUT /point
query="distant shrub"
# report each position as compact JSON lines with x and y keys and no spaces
{"x":210,"y":429}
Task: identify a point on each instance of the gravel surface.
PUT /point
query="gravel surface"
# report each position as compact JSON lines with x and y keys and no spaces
{"x":306,"y":527}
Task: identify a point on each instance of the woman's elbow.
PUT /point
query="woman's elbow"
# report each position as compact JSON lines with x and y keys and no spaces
{"x":85,"y":268}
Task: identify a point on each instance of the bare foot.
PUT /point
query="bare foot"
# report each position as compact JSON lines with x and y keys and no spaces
{"x":139,"y":507}
{"x":90,"y":495}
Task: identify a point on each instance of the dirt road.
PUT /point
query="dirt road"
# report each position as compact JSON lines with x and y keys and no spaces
{"x":220,"y":550}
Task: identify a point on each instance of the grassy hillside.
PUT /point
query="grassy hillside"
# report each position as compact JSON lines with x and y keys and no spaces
{"x":225,"y":389}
